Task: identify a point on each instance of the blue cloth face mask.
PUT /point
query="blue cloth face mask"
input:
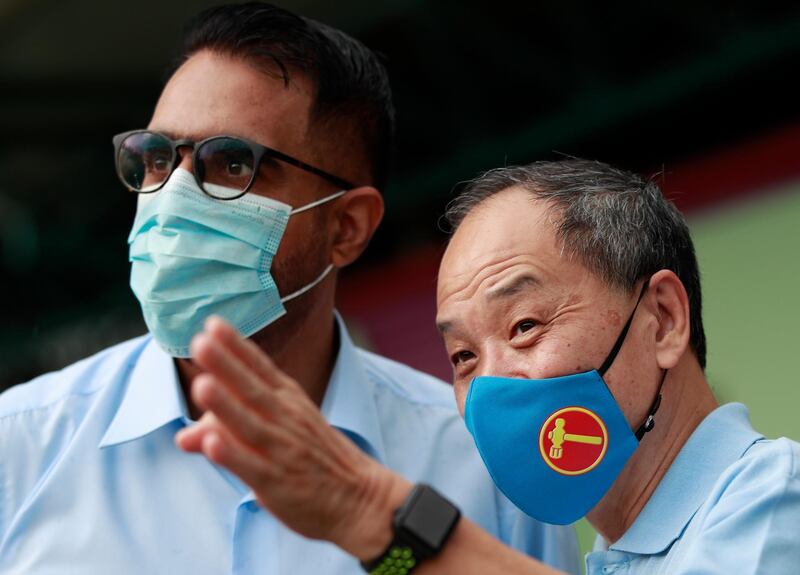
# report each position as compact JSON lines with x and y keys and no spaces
{"x":554,"y":446}
{"x":193,"y":256}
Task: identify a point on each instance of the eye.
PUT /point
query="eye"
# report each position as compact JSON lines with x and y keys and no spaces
{"x":238,"y":169}
{"x":157,"y":163}
{"x":461,"y":356}
{"x":524,"y":325}
{"x":161,"y":164}
{"x":230,"y":164}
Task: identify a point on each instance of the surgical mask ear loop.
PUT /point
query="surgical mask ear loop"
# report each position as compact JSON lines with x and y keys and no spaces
{"x":324,"y":200}
{"x":303,"y":290}
{"x":328,"y":269}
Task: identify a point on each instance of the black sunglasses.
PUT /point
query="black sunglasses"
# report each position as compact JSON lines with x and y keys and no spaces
{"x":224,"y":166}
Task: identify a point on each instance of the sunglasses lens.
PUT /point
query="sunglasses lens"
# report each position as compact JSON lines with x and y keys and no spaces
{"x":145,"y":161}
{"x":226,"y":167}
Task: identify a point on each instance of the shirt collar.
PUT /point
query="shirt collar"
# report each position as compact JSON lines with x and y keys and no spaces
{"x":349,"y":402}
{"x":152,"y":398}
{"x":720,"y":439}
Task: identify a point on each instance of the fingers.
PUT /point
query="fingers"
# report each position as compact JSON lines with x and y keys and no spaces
{"x":241,"y":398}
{"x":231,"y":412}
{"x":245,"y":350}
{"x":188,"y":439}
{"x":191,"y":438}
{"x":257,"y":430}
{"x":216,"y":359}
{"x":223,"y":449}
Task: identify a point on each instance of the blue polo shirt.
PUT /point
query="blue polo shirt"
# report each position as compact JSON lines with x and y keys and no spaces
{"x":729,"y":504}
{"x":91,"y":481}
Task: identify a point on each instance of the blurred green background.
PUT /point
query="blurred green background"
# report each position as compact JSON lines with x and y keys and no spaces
{"x":650,"y":86}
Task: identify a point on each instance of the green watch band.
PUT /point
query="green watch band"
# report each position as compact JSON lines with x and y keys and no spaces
{"x":422,"y":525}
{"x":397,"y":560}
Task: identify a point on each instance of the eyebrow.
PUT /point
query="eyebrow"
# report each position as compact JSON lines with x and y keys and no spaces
{"x":444,"y":326}
{"x":515,"y":286}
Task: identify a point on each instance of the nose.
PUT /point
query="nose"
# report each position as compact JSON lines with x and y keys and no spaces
{"x":184,"y":158}
{"x":498,"y":360}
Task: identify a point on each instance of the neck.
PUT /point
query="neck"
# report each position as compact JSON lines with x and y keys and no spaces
{"x":686,"y":401}
{"x":303,"y":343}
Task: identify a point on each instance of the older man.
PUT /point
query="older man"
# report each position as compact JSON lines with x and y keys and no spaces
{"x":257,"y":178}
{"x":569,"y":301}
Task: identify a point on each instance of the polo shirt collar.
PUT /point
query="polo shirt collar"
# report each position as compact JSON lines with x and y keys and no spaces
{"x":349,"y":402}
{"x":153,"y":398}
{"x":720,"y":440}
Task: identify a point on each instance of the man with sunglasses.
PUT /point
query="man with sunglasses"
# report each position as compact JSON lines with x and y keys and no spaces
{"x":256,"y":179}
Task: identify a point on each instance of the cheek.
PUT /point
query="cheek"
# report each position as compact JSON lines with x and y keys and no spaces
{"x":299,"y":232}
{"x":304,"y":246}
{"x":633,"y":380}
{"x":461,"y":389}
{"x":624,"y":389}
{"x":558,"y":356}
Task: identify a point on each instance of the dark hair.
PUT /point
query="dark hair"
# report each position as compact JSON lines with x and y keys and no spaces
{"x":616,"y":223}
{"x":351,"y":84}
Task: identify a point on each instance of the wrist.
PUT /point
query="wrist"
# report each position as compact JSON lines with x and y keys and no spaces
{"x":422,"y":526}
{"x":368,"y":530}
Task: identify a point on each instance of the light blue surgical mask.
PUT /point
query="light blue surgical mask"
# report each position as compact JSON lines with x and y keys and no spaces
{"x":193,"y":256}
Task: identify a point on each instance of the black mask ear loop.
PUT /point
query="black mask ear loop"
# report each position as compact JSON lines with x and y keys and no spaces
{"x":649,"y":422}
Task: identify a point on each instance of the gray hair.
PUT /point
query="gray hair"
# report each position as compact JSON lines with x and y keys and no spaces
{"x":616,"y":223}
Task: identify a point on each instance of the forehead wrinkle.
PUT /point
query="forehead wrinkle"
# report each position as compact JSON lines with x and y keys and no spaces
{"x":468,"y":292}
{"x":486,"y":278}
{"x":520,"y":283}
{"x":485,"y":274}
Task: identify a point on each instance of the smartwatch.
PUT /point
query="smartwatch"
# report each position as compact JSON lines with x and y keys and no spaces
{"x":422,"y":525}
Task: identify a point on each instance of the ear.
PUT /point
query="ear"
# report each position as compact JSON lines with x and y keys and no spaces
{"x":357,"y":216}
{"x":672,"y":311}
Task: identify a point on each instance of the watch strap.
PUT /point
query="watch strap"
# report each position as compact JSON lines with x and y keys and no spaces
{"x":398,"y":559}
{"x":422,"y":525}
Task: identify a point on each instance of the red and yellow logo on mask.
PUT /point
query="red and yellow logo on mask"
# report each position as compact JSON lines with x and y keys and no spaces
{"x":573,"y":441}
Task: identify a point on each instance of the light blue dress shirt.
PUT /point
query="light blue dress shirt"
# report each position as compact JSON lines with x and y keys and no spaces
{"x":729,"y":504}
{"x":91,"y":481}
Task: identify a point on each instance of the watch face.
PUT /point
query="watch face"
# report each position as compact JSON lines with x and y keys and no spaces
{"x":430,"y":518}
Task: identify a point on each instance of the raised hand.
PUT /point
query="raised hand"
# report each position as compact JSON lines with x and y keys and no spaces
{"x":262,"y":426}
